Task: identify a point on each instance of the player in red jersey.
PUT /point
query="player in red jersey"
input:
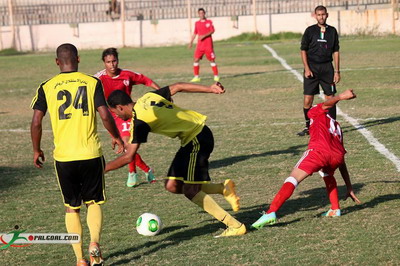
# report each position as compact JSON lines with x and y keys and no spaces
{"x":204,"y":28}
{"x":115,"y":78}
{"x":325,"y":152}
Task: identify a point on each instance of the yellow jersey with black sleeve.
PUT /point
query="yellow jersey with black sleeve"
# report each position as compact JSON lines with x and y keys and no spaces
{"x":155,"y":112}
{"x":71,"y":99}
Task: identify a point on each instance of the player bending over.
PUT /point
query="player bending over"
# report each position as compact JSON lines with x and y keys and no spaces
{"x":204,"y":28}
{"x":325,"y":152}
{"x":188,"y":173}
{"x":115,"y":78}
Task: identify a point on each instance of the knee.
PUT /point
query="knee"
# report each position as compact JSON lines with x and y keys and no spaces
{"x":70,"y":210}
{"x":173,"y":187}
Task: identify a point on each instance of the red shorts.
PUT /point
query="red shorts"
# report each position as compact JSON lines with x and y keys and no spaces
{"x":208,"y":51}
{"x":124,"y":127}
{"x":314,"y":160}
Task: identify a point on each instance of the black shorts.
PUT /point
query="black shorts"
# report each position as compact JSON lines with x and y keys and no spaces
{"x":81,"y":181}
{"x":190,"y":164}
{"x":323,"y":75}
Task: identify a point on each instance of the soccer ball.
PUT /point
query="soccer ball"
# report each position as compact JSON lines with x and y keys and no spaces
{"x":148,"y":224}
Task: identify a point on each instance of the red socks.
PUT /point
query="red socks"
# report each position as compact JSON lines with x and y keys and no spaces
{"x":214,"y":68}
{"x":284,"y":193}
{"x":196,"y":69}
{"x":139,"y":162}
{"x":331,"y":189}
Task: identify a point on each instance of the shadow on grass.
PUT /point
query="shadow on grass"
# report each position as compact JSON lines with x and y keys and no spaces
{"x":295,"y":150}
{"x":13,"y":176}
{"x":372,"y":123}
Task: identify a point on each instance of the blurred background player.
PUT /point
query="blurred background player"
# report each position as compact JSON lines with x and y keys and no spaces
{"x":115,"y":78}
{"x":319,"y":43}
{"x":72,"y":99}
{"x":188,"y":173}
{"x":326,"y":152}
{"x":204,"y":28}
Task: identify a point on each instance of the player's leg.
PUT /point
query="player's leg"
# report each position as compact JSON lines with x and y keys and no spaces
{"x":332,"y":192}
{"x":328,"y":86}
{"x":310,"y":88}
{"x":190,"y":168}
{"x":227,"y":189}
{"x":211,"y":57}
{"x":93,"y":195}
{"x":69,"y":183}
{"x":310,"y":162}
{"x":147,"y":170}
{"x":196,"y":67}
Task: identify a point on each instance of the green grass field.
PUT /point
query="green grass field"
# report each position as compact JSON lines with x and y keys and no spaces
{"x":254,"y":126}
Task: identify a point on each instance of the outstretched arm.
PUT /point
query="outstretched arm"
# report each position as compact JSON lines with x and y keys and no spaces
{"x":346,"y":95}
{"x":109,"y":124}
{"x":124,"y":159}
{"x":36,"y":135}
{"x":191,"y":40}
{"x":346,"y":178}
{"x":216,"y":88}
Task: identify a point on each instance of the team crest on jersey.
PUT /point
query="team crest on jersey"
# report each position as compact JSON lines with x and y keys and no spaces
{"x":126,"y":82}
{"x":208,"y":25}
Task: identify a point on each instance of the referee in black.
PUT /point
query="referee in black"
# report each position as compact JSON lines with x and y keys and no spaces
{"x":319,"y":45}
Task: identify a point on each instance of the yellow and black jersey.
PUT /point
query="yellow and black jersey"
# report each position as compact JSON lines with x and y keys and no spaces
{"x":154,"y":112}
{"x":71,"y":98}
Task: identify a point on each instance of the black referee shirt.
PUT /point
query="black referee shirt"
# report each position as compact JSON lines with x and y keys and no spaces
{"x":320,"y":45}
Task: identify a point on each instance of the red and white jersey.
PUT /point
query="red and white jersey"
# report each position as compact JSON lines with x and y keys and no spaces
{"x":203,"y":27}
{"x":124,"y":81}
{"x":325,"y":132}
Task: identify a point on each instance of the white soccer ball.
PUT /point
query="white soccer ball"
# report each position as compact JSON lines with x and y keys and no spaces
{"x":148,"y":224}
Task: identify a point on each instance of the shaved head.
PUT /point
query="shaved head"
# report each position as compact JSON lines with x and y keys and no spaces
{"x":67,"y":54}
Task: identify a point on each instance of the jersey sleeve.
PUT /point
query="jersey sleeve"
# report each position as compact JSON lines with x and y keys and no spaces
{"x":140,"y":131}
{"x":99,"y":99}
{"x":305,"y":40}
{"x":317,"y":110}
{"x":195,"y":29}
{"x":164,"y":92}
{"x":138,"y":78}
{"x":336,"y":46}
{"x":39,"y":101}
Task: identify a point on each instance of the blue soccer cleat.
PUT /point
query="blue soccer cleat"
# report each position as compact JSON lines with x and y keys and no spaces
{"x":265,"y":219}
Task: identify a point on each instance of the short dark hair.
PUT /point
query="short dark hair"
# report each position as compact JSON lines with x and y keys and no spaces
{"x":67,"y":53}
{"x":201,"y":9}
{"x":118,"y":97}
{"x":110,"y":51}
{"x":320,"y":8}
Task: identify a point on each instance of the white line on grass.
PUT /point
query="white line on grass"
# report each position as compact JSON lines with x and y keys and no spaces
{"x":365,"y":132}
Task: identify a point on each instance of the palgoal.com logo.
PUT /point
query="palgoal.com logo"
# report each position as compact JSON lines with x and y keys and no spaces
{"x":18,"y":238}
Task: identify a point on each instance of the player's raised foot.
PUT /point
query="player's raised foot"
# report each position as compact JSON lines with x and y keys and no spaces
{"x":195,"y":79}
{"x":150,"y":176}
{"x":95,"y":254}
{"x":332,"y":213}
{"x":304,"y":132}
{"x":216,"y":78}
{"x":230,"y":231}
{"x":82,"y":262}
{"x":230,"y":195}
{"x":265,"y":219}
{"x":132,"y":180}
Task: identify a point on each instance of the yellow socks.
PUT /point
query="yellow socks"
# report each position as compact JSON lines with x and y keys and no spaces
{"x":94,"y":221}
{"x":212,"y":188}
{"x":209,"y":205}
{"x":73,"y":224}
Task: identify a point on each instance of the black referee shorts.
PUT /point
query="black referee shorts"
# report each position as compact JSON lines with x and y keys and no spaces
{"x":81,"y":181}
{"x":190,"y":164}
{"x":323,"y":75}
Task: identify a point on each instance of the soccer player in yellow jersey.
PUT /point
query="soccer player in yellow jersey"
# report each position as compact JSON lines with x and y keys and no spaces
{"x":188,"y":174}
{"x":72,"y":98}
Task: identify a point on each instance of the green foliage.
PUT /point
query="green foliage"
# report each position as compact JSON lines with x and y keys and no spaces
{"x":254,"y":125}
{"x":245,"y":37}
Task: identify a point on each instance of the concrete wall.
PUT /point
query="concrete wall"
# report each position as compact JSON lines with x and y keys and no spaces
{"x":177,"y":31}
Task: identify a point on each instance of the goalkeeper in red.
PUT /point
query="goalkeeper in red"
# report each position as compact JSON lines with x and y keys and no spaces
{"x":115,"y":78}
{"x":325,"y":152}
{"x":204,"y":29}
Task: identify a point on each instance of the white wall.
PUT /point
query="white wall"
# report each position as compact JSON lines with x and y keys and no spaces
{"x":176,"y":31}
